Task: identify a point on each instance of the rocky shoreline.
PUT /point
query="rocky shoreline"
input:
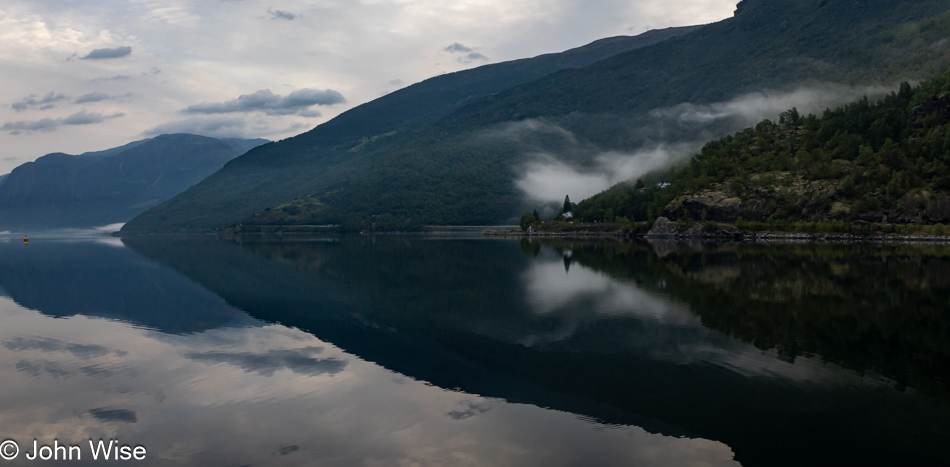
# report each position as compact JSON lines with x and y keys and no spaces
{"x":665,"y":229}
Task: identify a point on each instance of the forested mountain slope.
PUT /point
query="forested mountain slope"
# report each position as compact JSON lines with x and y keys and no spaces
{"x":873,"y":162}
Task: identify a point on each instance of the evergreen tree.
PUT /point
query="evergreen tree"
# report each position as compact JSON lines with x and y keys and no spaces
{"x":567,"y":203}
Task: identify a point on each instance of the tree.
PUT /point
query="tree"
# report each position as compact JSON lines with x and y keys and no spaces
{"x":639,"y":185}
{"x":537,"y":216}
{"x":567,"y":203}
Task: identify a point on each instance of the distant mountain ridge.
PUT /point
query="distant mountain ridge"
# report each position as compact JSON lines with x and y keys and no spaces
{"x":111,"y":186}
{"x":447,"y":172}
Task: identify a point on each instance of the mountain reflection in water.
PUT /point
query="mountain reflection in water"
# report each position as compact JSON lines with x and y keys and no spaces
{"x":484,"y":352}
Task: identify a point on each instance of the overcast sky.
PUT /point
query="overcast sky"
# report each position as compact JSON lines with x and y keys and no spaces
{"x":89,"y":75}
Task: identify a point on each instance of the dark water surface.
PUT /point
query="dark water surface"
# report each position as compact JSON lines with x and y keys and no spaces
{"x":412,"y":351}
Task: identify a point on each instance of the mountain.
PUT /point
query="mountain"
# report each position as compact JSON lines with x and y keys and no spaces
{"x":348,"y":133}
{"x":462,"y":167}
{"x":105,"y":187}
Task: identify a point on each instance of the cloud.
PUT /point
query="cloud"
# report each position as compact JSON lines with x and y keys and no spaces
{"x":309,"y":113}
{"x":546,"y":178}
{"x":112,"y":78}
{"x":43,"y":124}
{"x":754,"y":107}
{"x":455,"y":47}
{"x":101,"y":54}
{"x":213,"y":127}
{"x":51,"y":124}
{"x":92,"y":97}
{"x":281,"y":14}
{"x":45,"y":103}
{"x":469,"y":54}
{"x":472,"y":57}
{"x":665,"y":136}
{"x":86,"y":118}
{"x":266,"y":101}
{"x":99,"y":97}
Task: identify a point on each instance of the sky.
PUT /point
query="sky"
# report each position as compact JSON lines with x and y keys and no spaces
{"x":90,"y":75}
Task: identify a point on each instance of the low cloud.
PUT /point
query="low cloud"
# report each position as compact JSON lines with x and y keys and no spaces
{"x":52,"y":124}
{"x":546,"y":178}
{"x":104,"y":54}
{"x":755,"y":107}
{"x":297,"y":102}
{"x":563,"y":163}
{"x":281,"y":14}
{"x":213,"y":127}
{"x":34,"y":102}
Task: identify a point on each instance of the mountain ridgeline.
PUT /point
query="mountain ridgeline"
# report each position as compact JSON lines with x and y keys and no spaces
{"x":460,"y":164}
{"x":106,"y":187}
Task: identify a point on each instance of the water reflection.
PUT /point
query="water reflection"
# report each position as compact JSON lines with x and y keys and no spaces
{"x":676,"y":341}
{"x":100,"y":277}
{"x":252,"y":392}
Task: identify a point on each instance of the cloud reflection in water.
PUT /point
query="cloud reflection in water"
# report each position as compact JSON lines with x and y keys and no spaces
{"x":260,"y":395}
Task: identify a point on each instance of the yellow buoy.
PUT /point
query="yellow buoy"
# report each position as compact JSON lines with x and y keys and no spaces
{"x":26,"y":240}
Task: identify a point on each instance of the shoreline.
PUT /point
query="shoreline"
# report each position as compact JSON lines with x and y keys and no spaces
{"x":728,"y":236}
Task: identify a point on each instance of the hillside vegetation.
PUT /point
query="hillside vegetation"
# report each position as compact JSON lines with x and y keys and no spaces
{"x":461,"y":168}
{"x":880,"y":162}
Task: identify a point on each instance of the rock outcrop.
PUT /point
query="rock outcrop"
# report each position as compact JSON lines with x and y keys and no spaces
{"x":779,"y":195}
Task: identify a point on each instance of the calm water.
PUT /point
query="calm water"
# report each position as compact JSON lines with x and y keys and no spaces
{"x":407,"y":351}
